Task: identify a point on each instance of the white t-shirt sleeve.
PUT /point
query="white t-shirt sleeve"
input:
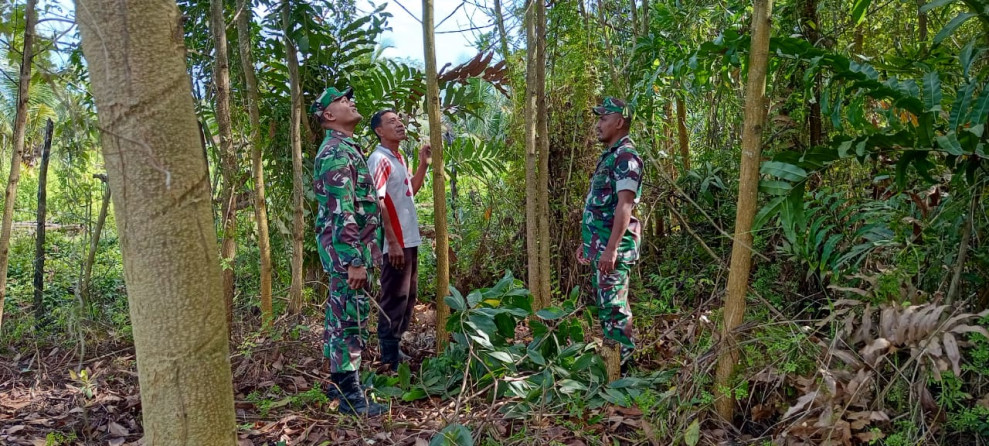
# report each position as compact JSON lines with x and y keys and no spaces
{"x":380,"y":167}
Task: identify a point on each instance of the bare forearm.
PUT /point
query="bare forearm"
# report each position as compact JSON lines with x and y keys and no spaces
{"x":419,"y":177}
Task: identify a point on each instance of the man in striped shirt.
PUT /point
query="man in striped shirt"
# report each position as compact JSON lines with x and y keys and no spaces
{"x":395,"y":187}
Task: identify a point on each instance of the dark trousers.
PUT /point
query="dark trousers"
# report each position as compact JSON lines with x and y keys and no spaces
{"x":399,"y":290}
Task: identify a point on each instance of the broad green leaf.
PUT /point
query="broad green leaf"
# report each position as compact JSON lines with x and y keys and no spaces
{"x":693,"y":434}
{"x":453,"y":435}
{"x":981,"y":109}
{"x":767,"y":212}
{"x":949,"y":143}
{"x":569,"y":386}
{"x":774,"y":187}
{"x":859,"y":9}
{"x":784,"y":171}
{"x":932,"y":91}
{"x":455,"y":302}
{"x":952,"y":26}
{"x":965,"y":57}
{"x":504,"y":357}
{"x":959,"y":110}
{"x":829,"y":247}
{"x":935,"y":4}
{"x":551,"y":313}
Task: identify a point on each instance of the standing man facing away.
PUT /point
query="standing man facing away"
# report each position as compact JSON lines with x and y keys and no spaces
{"x":395,"y":186}
{"x":609,"y":231}
{"x":346,"y":227}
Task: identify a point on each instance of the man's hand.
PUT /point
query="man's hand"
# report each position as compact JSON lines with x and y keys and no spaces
{"x":607,"y":262}
{"x":396,"y":256}
{"x":426,"y":154}
{"x":580,"y":256}
{"x":356,"y":277}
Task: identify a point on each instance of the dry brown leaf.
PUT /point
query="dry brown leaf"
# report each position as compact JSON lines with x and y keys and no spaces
{"x":420,"y":441}
{"x":875,"y":350}
{"x":117,"y":441}
{"x":951,"y":350}
{"x":801,"y":403}
{"x":970,"y":329}
{"x":117,"y":430}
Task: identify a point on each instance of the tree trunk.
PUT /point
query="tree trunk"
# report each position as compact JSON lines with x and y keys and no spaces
{"x":39,"y":234}
{"x":500,"y":22}
{"x":295,"y":290}
{"x":748,"y":188}
{"x":136,"y":58}
{"x":228,"y":158}
{"x":922,"y":26}
{"x":542,"y":179}
{"x":682,"y":135}
{"x":20,"y":126}
{"x":810,"y":24}
{"x":87,"y":270}
{"x":532,"y":202}
{"x":260,"y":205}
{"x":645,"y":17}
{"x":439,"y":183}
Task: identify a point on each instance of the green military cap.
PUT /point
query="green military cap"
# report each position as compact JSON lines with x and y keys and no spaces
{"x":329,"y":95}
{"x":612,"y":105}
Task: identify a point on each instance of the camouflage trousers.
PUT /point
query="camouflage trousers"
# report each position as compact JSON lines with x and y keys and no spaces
{"x":614,"y":310}
{"x":345,"y":327}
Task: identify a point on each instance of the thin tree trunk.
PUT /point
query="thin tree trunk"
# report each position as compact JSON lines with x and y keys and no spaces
{"x":87,"y":270}
{"x":645,"y":17}
{"x":136,"y":58}
{"x":748,"y":189}
{"x":809,"y":23}
{"x":295,"y":290}
{"x":20,"y":126}
{"x":228,"y":158}
{"x":954,"y":287}
{"x":253,"y":112}
{"x":544,"y":297}
{"x":635,"y":20}
{"x":532,"y":195}
{"x":39,"y":240}
{"x":922,"y":26}
{"x":500,"y":22}
{"x":439,"y":183}
{"x":682,"y":135}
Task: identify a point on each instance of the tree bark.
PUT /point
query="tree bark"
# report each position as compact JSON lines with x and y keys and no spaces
{"x":20,"y":126}
{"x":228,"y":157}
{"x":810,"y":24}
{"x":39,"y":234}
{"x":136,"y":58}
{"x":682,"y":135}
{"x":439,"y":183}
{"x":748,"y":188}
{"x":87,"y":269}
{"x":500,"y":22}
{"x":295,"y":121}
{"x":532,"y":194}
{"x":542,"y":178}
{"x":254,"y":114}
{"x":645,"y":17}
{"x":922,"y":26}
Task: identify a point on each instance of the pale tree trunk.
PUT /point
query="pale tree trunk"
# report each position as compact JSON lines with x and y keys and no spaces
{"x":748,"y":188}
{"x":20,"y":125}
{"x":295,"y":120}
{"x":439,"y":181}
{"x":87,"y":269}
{"x":544,"y":295}
{"x":253,"y":112}
{"x":682,"y":135}
{"x":136,"y":58}
{"x":39,"y":234}
{"x":500,"y":22}
{"x":645,"y":17}
{"x":532,"y":155}
{"x":228,"y":158}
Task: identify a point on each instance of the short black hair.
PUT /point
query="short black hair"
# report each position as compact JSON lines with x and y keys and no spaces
{"x":376,"y":120}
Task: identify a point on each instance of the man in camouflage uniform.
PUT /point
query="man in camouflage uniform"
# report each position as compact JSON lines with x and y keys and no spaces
{"x":346,"y":229}
{"x":610,"y":233}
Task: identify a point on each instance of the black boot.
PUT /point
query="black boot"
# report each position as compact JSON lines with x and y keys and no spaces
{"x":391,"y":355}
{"x":353,"y":400}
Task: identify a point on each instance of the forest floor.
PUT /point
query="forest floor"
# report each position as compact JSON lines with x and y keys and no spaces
{"x":45,"y":402}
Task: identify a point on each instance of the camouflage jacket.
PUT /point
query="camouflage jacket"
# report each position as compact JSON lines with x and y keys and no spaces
{"x":347,"y":226}
{"x":619,"y":168}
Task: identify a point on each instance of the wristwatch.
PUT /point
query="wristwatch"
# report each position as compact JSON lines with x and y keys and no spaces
{"x":356,"y":262}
